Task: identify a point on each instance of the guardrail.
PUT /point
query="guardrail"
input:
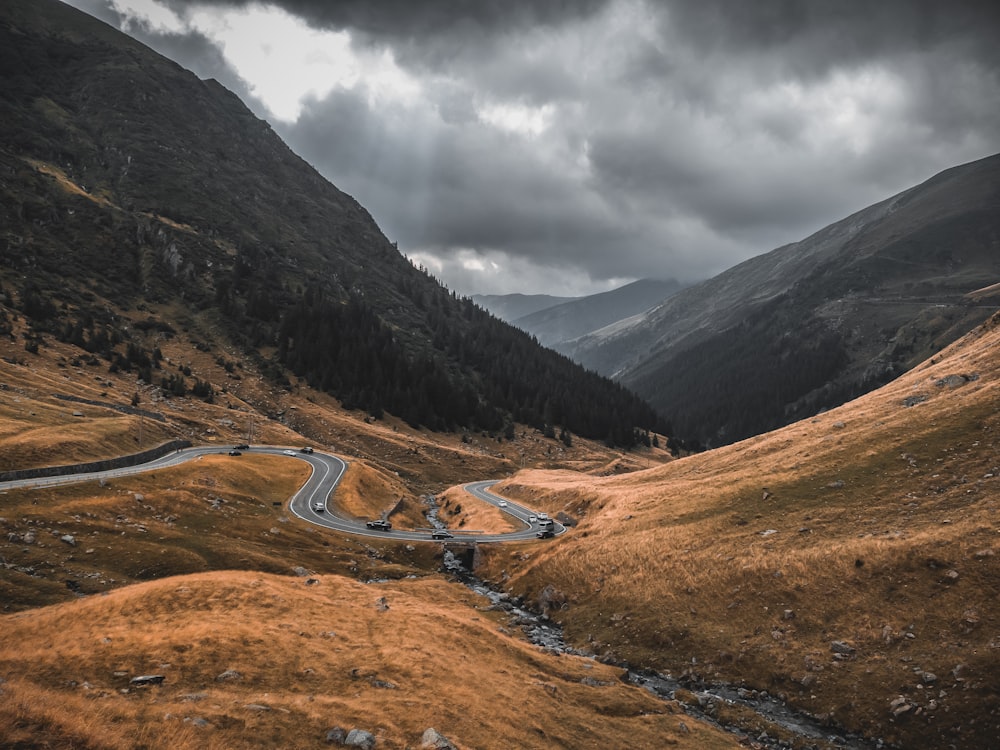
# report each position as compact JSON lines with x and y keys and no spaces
{"x":103,"y":465}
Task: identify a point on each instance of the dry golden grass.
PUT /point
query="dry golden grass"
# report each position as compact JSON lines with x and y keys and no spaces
{"x":214,"y":513}
{"x":461,"y":511}
{"x":392,"y":658}
{"x":368,"y":492}
{"x":874,"y":524}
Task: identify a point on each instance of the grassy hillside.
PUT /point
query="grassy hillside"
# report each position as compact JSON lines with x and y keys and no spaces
{"x":848,"y":562}
{"x":258,"y":661}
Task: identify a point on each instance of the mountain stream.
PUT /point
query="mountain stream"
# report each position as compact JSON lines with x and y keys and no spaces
{"x":540,"y":630}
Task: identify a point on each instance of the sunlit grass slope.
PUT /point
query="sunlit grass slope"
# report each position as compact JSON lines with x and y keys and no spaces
{"x":848,"y":562}
{"x":257,"y":661}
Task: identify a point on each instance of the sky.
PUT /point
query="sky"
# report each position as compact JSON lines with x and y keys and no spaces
{"x":568,"y":147}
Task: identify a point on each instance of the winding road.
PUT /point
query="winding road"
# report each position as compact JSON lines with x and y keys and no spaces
{"x":315,"y":501}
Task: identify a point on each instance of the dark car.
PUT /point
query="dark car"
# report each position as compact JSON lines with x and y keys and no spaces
{"x":441,"y":534}
{"x":242,"y":447}
{"x":235,"y":452}
{"x":545,"y":534}
{"x":307,"y":449}
{"x":379,"y":525}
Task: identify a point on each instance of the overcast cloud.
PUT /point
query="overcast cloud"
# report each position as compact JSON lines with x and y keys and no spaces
{"x":568,"y":147}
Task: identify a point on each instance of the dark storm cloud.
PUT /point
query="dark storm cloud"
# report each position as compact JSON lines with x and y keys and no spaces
{"x":452,"y":187}
{"x":583,"y":142}
{"x":813,"y":35}
{"x":407,"y":19}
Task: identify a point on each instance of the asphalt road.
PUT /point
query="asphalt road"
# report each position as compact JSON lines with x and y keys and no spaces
{"x":315,"y":502}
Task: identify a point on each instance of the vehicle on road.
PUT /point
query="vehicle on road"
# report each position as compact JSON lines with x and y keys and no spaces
{"x":441,"y":534}
{"x":532,"y":519}
{"x":546,"y":524}
{"x":307,"y":449}
{"x":235,"y":453}
{"x":379,"y":525}
{"x":290,"y":453}
{"x":319,"y":507}
{"x":547,"y":533}
{"x":241,"y":447}
{"x":502,"y":503}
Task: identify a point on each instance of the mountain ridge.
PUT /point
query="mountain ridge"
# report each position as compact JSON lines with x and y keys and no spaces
{"x":880,"y":289}
{"x":562,"y":323}
{"x":148,"y":188}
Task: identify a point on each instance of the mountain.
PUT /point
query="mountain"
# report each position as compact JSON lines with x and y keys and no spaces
{"x":510,"y":307}
{"x":141,"y":204}
{"x":809,"y":325}
{"x":556,"y":325}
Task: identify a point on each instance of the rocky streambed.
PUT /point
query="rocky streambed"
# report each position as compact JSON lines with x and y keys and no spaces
{"x":788,"y":728}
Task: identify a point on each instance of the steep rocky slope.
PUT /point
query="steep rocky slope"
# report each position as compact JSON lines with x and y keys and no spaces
{"x":814,"y":323}
{"x":139,"y":201}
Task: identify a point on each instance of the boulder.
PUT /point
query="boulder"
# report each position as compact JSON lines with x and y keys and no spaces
{"x":230,"y":675}
{"x":337,"y":734}
{"x":360,"y":738}
{"x":434,"y":740}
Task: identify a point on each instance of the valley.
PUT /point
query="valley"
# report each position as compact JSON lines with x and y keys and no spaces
{"x":786,"y":536}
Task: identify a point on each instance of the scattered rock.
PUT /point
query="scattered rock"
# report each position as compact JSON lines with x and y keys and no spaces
{"x":311,"y":581}
{"x":551,"y":599}
{"x":68,"y":539}
{"x":950,"y":576}
{"x":147,"y":679}
{"x":914,"y":400}
{"x":788,"y":614}
{"x":230,"y":675}
{"x":381,"y":604}
{"x":928,"y":678}
{"x":841,"y":647}
{"x":301,"y":572}
{"x":337,"y":734}
{"x":196,"y":721}
{"x":970,"y":618}
{"x":434,"y":740}
{"x":360,"y":738}
{"x":954,"y":381}
{"x":899,"y":706}
{"x":257,"y":707}
{"x":768,"y":532}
